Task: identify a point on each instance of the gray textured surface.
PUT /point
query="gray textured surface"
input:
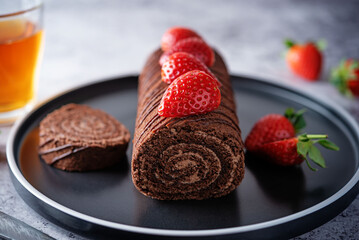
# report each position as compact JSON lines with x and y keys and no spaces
{"x":91,"y":40}
{"x":14,"y":229}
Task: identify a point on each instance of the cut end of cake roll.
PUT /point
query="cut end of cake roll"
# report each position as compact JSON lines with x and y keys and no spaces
{"x":80,"y":138}
{"x":193,"y":157}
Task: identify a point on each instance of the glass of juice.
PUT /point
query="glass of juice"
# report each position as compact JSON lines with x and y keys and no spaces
{"x":21,"y":33}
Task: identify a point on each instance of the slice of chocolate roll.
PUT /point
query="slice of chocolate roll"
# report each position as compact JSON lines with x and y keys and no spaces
{"x":79,"y":138}
{"x":193,"y":157}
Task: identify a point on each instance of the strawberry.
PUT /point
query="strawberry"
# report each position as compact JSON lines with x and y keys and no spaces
{"x":305,"y":60}
{"x":282,"y":152}
{"x":175,"y":34}
{"x":195,"y":46}
{"x":353,"y":86}
{"x":294,"y":151}
{"x":179,"y":63}
{"x":194,"y":92}
{"x":274,"y":127}
{"x":346,"y":77}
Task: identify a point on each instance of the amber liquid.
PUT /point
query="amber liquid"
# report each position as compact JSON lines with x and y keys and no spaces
{"x":20,"y":45}
{"x":29,"y":158}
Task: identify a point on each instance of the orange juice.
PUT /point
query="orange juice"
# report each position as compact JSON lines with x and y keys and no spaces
{"x":20,"y":45}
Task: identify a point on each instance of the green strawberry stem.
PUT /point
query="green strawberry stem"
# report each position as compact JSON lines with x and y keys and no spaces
{"x":306,"y":148}
{"x":311,"y":136}
{"x":315,"y":136}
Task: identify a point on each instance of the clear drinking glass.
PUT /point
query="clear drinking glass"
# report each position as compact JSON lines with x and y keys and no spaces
{"x":21,"y":41}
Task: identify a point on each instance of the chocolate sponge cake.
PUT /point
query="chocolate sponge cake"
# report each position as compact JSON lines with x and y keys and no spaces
{"x":192,"y":157}
{"x":79,"y":138}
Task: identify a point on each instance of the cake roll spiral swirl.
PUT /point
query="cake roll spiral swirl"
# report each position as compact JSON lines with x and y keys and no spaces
{"x":79,"y":138}
{"x":193,"y":157}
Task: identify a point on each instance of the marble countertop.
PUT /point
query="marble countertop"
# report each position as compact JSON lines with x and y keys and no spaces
{"x":89,"y":40}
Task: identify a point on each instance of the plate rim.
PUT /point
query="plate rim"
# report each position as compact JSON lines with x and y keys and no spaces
{"x":183,"y":233}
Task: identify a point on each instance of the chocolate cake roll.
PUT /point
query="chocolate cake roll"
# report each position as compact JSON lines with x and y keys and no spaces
{"x":79,"y":138}
{"x":193,"y":157}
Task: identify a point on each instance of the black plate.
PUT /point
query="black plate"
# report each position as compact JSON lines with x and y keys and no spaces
{"x":271,"y":202}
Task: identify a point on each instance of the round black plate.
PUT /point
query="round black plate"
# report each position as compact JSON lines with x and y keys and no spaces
{"x":271,"y":202}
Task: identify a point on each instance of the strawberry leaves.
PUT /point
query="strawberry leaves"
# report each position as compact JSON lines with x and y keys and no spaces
{"x":321,"y":45}
{"x":339,"y":78}
{"x":306,"y":148}
{"x":315,"y":155}
{"x":328,"y":144}
{"x":305,"y":145}
{"x":296,"y":118}
{"x":289,"y":43}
